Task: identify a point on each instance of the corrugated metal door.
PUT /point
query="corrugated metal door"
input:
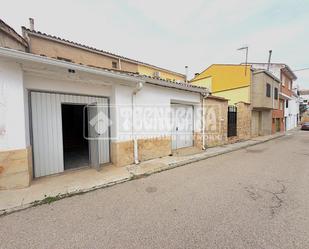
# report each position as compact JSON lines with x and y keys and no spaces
{"x":182,"y":123}
{"x":47,"y":138}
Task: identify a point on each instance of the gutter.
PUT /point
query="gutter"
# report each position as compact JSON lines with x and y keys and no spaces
{"x":203,"y":121}
{"x":137,"y":88}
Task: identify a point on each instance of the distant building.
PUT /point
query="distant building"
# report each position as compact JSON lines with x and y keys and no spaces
{"x":304,"y":96}
{"x":241,"y":83}
{"x":54,"y":47}
{"x":287,"y":93}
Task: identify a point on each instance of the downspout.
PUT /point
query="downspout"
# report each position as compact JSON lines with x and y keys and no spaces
{"x":137,"y":88}
{"x":204,"y":96}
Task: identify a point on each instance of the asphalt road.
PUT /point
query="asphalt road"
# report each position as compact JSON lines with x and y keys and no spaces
{"x":252,"y":198}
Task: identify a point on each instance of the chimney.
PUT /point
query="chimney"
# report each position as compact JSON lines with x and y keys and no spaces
{"x":187,"y":70}
{"x":269,"y":59}
{"x":31,"y":23}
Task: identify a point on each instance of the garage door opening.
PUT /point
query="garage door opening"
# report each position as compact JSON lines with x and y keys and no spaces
{"x":75,"y":146}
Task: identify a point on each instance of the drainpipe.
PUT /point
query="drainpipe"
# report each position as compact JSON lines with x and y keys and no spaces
{"x":204,"y":96}
{"x":137,"y":88}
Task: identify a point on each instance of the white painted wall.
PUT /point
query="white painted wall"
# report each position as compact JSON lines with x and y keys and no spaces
{"x":53,"y":84}
{"x":148,"y":99}
{"x":306,"y":98}
{"x":14,"y":102}
{"x":12,"y":108}
{"x":292,"y":113}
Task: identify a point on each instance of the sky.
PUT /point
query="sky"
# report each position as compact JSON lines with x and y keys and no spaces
{"x":174,"y":34}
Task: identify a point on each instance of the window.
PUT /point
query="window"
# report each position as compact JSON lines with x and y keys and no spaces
{"x":114,"y":64}
{"x":268,"y":90}
{"x":276,"y":93}
{"x":287,"y":104}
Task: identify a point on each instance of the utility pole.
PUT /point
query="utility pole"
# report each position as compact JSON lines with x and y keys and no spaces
{"x":247,"y":51}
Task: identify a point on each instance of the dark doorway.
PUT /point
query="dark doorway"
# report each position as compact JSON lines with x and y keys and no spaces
{"x":232,"y":121}
{"x":75,"y":146}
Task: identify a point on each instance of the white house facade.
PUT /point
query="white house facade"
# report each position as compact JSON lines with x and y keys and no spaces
{"x":57,"y":116}
{"x":291,"y":112}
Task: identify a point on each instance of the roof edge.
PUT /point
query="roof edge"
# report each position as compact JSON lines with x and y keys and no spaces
{"x":15,"y":54}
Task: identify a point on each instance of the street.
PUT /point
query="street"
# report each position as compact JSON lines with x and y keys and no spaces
{"x":253,"y":198}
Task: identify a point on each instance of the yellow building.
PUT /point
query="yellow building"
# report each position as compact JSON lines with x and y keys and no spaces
{"x":153,"y":71}
{"x":228,"y":81}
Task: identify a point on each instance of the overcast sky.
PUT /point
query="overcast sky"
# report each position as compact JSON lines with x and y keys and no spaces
{"x":173,"y":34}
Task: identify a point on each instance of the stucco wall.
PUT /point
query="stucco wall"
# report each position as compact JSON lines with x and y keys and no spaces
{"x":15,"y":155}
{"x":152,"y":104}
{"x":77,"y":55}
{"x":12,"y":109}
{"x":261,"y":123}
{"x":226,"y":77}
{"x":144,"y":70}
{"x":235,"y":95}
{"x":152,"y":116}
{"x":259,"y":98}
{"x":7,"y":41}
{"x":204,"y":82}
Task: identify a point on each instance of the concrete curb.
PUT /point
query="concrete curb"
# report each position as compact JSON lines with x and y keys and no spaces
{"x":228,"y":150}
{"x":134,"y":176}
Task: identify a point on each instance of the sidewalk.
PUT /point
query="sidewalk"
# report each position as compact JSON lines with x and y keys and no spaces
{"x":51,"y":188}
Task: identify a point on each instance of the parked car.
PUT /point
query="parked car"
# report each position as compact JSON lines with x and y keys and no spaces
{"x":305,"y":126}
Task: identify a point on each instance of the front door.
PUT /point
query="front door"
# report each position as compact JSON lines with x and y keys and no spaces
{"x":182,"y":126}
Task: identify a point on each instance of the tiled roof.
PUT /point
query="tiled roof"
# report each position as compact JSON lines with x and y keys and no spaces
{"x":148,"y":78}
{"x":96,"y":50}
{"x":173,"y":84}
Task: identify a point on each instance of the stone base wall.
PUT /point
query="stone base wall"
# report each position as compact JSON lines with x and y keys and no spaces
{"x":15,"y":168}
{"x":154,"y":147}
{"x":215,"y":121}
{"x":122,"y":153}
{"x":244,"y":117}
{"x":198,"y":140}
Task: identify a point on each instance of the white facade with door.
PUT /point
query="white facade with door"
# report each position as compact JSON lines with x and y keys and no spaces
{"x":36,"y":88}
{"x":291,"y":113}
